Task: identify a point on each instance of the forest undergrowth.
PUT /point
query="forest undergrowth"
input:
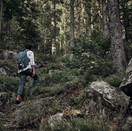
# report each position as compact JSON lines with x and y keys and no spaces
{"x":62,"y":86}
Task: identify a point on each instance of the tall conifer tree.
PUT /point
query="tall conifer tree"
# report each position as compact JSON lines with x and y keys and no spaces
{"x":117,"y":44}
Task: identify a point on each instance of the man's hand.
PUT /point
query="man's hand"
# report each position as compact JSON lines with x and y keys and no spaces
{"x":33,"y":74}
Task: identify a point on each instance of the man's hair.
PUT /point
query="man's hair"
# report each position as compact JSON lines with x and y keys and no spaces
{"x":28,"y":46}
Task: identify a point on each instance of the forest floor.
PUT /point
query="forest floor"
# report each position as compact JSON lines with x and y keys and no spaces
{"x":8,"y":119}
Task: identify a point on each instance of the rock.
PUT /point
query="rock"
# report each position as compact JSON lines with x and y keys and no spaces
{"x":128,"y":124}
{"x":110,"y":94}
{"x":55,"y":119}
{"x":59,"y":116}
{"x":2,"y":71}
{"x":51,"y":72}
{"x":126,"y":85}
{"x":106,"y":102}
{"x":5,"y":98}
{"x":9,"y":55}
{"x":32,"y":108}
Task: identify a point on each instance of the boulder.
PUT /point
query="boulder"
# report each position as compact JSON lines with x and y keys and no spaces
{"x":2,"y":71}
{"x":55,"y":119}
{"x":126,"y":85}
{"x":9,"y":55}
{"x":6,"y":98}
{"x":107,"y":103}
{"x":32,"y":108}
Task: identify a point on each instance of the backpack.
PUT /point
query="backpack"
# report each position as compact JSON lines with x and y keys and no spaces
{"x":22,"y":60}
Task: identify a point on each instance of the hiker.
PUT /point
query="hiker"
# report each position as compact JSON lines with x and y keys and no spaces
{"x":28,"y":70}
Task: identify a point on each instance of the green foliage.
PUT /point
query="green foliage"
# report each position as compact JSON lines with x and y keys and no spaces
{"x":8,"y":83}
{"x":21,"y":17}
{"x":58,"y":82}
{"x":81,"y":124}
{"x":91,"y":57}
{"x":76,"y":99}
{"x":1,"y":127}
{"x":87,"y":124}
{"x":9,"y":66}
{"x":56,"y":106}
{"x":57,"y":76}
{"x":114,"y":80}
{"x":63,"y":125}
{"x":28,"y":115}
{"x":63,"y":79}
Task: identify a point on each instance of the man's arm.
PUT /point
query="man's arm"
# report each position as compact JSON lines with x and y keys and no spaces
{"x":32,"y":62}
{"x":33,"y":69}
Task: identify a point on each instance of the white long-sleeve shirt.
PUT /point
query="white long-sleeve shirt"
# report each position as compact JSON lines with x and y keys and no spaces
{"x":31,"y":63}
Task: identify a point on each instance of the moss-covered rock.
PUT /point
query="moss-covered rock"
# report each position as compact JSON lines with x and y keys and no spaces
{"x":107,"y":103}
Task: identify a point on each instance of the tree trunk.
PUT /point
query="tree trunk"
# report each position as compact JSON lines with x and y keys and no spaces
{"x":72,"y":26}
{"x":105,"y":19}
{"x":1,"y":13}
{"x":91,"y":19}
{"x":79,"y":18}
{"x":117,"y":44}
{"x":53,"y":24}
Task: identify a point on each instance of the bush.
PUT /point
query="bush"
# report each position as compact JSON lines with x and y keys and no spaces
{"x":9,"y":66}
{"x":80,"y":124}
{"x":114,"y":80}
{"x":57,"y":77}
{"x":63,"y":126}
{"x":1,"y":128}
{"x":9,"y":83}
{"x":91,"y":57}
{"x":29,"y":115}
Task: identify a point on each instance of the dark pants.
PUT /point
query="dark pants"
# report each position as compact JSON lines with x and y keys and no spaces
{"x":23,"y":76}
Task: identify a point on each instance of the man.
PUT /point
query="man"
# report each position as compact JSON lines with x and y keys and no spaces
{"x":29,"y":70}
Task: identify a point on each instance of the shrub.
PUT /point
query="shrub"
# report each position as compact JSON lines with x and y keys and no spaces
{"x":28,"y":115}
{"x":91,"y":56}
{"x":114,"y":80}
{"x":9,"y":66}
{"x":58,"y":76}
{"x":63,"y":126}
{"x":9,"y":83}
{"x":80,"y":124}
{"x":1,"y":128}
{"x":85,"y":124}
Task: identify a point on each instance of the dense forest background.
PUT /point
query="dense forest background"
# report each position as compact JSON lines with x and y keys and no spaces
{"x":57,"y":27}
{"x":61,"y":27}
{"x":75,"y":42}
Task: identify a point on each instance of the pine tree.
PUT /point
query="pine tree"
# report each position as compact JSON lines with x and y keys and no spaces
{"x":117,"y":44}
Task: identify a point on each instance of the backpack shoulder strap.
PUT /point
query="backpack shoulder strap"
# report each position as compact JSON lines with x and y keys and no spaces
{"x":22,"y":56}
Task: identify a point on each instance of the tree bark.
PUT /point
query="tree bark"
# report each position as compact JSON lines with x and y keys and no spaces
{"x":53,"y":24}
{"x":72,"y":26}
{"x":117,"y":44}
{"x":79,"y":18}
{"x":1,"y":13}
{"x":105,"y":18}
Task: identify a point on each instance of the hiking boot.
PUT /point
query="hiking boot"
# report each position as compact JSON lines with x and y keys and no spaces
{"x":19,"y":99}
